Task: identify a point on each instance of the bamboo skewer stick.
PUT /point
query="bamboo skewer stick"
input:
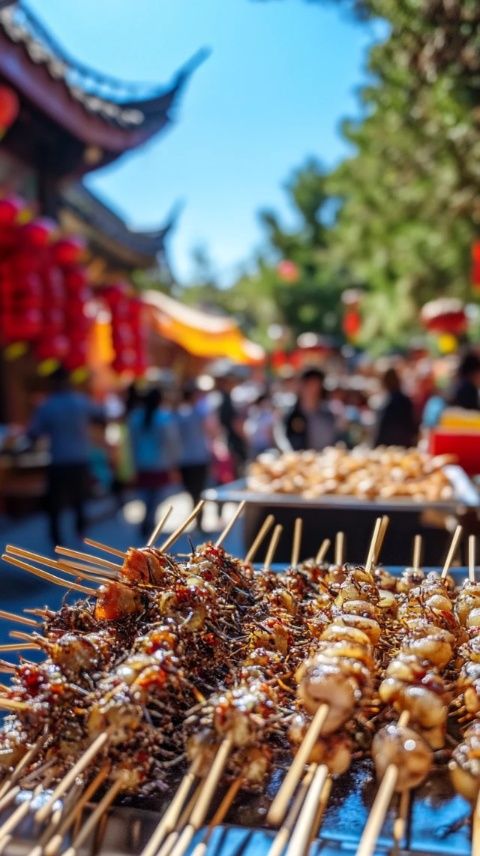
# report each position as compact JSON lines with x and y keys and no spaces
{"x":19,"y":646}
{"x":451,"y":551}
{"x":52,"y":846}
{"x":115,"y":567}
{"x":300,"y":840}
{"x":339,"y":547}
{"x":17,"y":772}
{"x":297,"y":542}
{"x":171,"y":815}
{"x":95,"y":816}
{"x":207,"y":790}
{"x":47,"y":562}
{"x":417,"y":552}
{"x":178,"y":531}
{"x":262,"y":532}
{"x":173,"y":837}
{"x":476,"y":828}
{"x":400,"y":824}
{"x":230,"y":524}
{"x":50,"y":578}
{"x":380,"y":806}
{"x":19,"y":619}
{"x":160,"y":526}
{"x":105,"y":548}
{"x":70,"y":777}
{"x":370,"y":561}
{"x":471,"y":557}
{"x":323,"y":550}
{"x":322,"y":805}
{"x":82,"y":572}
{"x":272,"y":547}
{"x":218,"y":817}
{"x":281,"y":839}
{"x":384,"y":524}
{"x":279,"y":805}
{"x":17,"y":816}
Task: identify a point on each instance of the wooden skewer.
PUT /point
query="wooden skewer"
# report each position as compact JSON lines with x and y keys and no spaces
{"x":272,"y":547}
{"x":380,"y":806}
{"x":19,"y":619}
{"x":171,"y":815}
{"x":262,"y":532}
{"x":279,"y":805}
{"x":471,"y":557}
{"x":95,"y":816}
{"x":82,"y":572}
{"x":230,"y":524}
{"x":178,"y":531}
{"x":51,"y":578}
{"x":160,"y":525}
{"x":202,"y":804}
{"x":7,"y":668}
{"x":173,"y":837}
{"x":400,"y":824}
{"x":384,"y":524}
{"x":68,"y":780}
{"x":297,"y":542}
{"x":281,"y":839}
{"x":105,"y":548}
{"x":22,"y":765}
{"x":218,"y":817}
{"x":19,"y":646}
{"x":339,"y":547}
{"x":20,"y":812}
{"x":52,"y":846}
{"x":323,"y":550}
{"x":9,"y":797}
{"x":417,"y":552}
{"x":65,"y":808}
{"x":451,"y":551}
{"x":476,"y":828}
{"x":25,"y":637}
{"x":322,"y":805}
{"x":47,"y":562}
{"x":88,"y":557}
{"x":300,"y":840}
{"x":373,"y":541}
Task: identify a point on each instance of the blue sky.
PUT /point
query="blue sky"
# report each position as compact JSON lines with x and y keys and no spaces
{"x":281,"y":76}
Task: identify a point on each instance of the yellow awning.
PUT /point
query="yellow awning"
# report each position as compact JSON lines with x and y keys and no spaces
{"x":202,"y":335}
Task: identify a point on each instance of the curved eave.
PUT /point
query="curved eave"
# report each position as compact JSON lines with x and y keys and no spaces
{"x":53,"y":98}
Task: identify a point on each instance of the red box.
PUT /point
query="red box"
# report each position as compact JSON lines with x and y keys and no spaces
{"x":465,"y":445}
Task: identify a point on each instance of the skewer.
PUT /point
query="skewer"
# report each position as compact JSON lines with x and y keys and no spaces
{"x":24,"y":637}
{"x":230,"y":524}
{"x":19,"y":646}
{"x":323,"y":550}
{"x":159,"y":527}
{"x":300,"y":840}
{"x":70,"y":777}
{"x":105,"y":548}
{"x":88,"y":557}
{"x":385,"y":521}
{"x":471,"y":558}
{"x":272,"y":547}
{"x":476,"y":828}
{"x":171,"y":815}
{"x":22,"y":765}
{"x":322,"y":805}
{"x":47,"y":562}
{"x":373,"y":542}
{"x":380,"y":806}
{"x":297,"y":542}
{"x":17,"y":816}
{"x":51,"y":578}
{"x":417,"y":552}
{"x":173,"y":837}
{"x":83,"y":572}
{"x":265,"y":527}
{"x":53,"y":845}
{"x":178,"y":531}
{"x":19,"y":619}
{"x":95,"y":816}
{"x":451,"y":551}
{"x":218,"y":817}
{"x":279,"y":805}
{"x":207,"y":789}
{"x":400,"y":824}
{"x":281,"y":839}
{"x":339,"y":547}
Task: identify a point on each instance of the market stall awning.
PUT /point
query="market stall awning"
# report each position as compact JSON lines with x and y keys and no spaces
{"x":202,"y":335}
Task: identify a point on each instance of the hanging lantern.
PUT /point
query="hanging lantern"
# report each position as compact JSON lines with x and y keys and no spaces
{"x":288,"y":271}
{"x":444,"y":315}
{"x":9,"y":108}
{"x":69,"y":251}
{"x":11,"y":208}
{"x":38,"y":233}
{"x":351,"y":323}
{"x":475,"y":270}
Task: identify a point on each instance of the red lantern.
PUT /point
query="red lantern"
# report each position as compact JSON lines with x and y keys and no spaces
{"x":11,"y":208}
{"x":9,"y":107}
{"x":352,"y":323}
{"x":38,"y":233}
{"x":444,"y":315}
{"x":69,"y":251}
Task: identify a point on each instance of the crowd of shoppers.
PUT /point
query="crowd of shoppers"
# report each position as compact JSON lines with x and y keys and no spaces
{"x":186,"y":438}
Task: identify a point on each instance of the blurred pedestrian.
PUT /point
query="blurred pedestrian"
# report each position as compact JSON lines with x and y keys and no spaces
{"x":260,"y":426}
{"x":64,"y":418}
{"x":231,"y":421}
{"x":196,"y":433}
{"x":465,"y":393}
{"x":310,"y":424}
{"x":156,"y":452}
{"x":396,"y":421}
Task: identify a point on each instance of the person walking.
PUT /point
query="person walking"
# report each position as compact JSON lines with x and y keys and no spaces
{"x":64,"y":418}
{"x":196,"y":433}
{"x":396,"y":419}
{"x":310,"y":424}
{"x":156,"y":452}
{"x":465,"y":393}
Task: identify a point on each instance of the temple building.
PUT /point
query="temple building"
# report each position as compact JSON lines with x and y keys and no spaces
{"x":71,"y":120}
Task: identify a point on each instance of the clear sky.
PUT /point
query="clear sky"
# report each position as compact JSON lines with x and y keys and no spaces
{"x":281,"y":76}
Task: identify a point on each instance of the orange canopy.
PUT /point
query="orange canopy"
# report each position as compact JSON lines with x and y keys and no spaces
{"x":203,"y":335}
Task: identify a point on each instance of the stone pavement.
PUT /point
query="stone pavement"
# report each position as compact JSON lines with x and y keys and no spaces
{"x":18,"y":589}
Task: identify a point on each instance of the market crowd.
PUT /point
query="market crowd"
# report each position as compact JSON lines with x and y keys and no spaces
{"x":158,"y":439}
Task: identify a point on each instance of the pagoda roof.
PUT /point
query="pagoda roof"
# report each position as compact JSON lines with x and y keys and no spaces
{"x":111,"y":237}
{"x":93,"y":107}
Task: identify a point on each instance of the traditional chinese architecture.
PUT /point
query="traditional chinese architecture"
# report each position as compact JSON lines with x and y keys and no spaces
{"x":61,"y":120}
